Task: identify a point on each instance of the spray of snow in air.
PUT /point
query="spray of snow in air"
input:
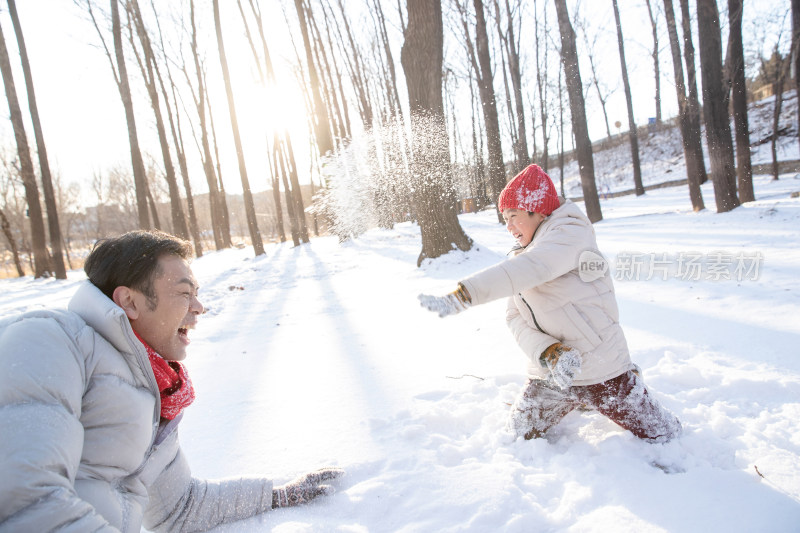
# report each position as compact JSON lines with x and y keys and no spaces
{"x":370,"y":180}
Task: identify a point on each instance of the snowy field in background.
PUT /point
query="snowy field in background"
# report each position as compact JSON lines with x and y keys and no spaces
{"x":661,"y":152}
{"x":320,"y":355}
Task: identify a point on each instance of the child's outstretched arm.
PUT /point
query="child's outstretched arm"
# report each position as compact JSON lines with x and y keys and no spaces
{"x":449,"y":304}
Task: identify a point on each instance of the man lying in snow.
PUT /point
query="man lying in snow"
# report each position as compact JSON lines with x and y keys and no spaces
{"x":91,"y":398}
{"x":566,"y":321}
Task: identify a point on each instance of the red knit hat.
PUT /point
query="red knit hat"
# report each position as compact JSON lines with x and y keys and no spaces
{"x":531,"y":190}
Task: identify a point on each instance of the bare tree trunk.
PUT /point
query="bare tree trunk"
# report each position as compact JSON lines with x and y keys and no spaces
{"x":397,"y":154}
{"x":695,"y":133}
{"x":294,"y":228}
{"x":139,"y":178}
{"x":66,"y":198}
{"x":477,"y":148}
{"x":476,"y":97}
{"x":225,"y":218}
{"x":191,"y":211}
{"x":267,"y":76}
{"x":6,"y":227}
{"x":328,"y":89}
{"x":276,"y":199}
{"x":535,"y":154}
{"x":151,"y":202}
{"x":777,"y":90}
{"x":496,"y":168}
{"x":356,"y":71}
{"x":148,"y":66}
{"x":321,"y":119}
{"x":583,"y":145}
{"x":338,"y":86}
{"x":561,"y":131}
{"x":776,"y":116}
{"x":296,"y":191}
{"x":656,"y":64}
{"x":744,"y":170}
{"x":796,"y":54}
{"x":521,"y":144}
{"x":541,"y":84}
{"x":718,"y":129}
{"x":389,"y":60}
{"x":282,"y":153}
{"x":41,"y":266}
{"x":276,"y":186}
{"x":57,"y":256}
{"x":208,"y":165}
{"x":97,"y":187}
{"x":591,"y":50}
{"x":633,"y":133}
{"x":692,"y":173}
{"x":177,"y":138}
{"x":249,"y":206}
{"x":512,"y":129}
{"x":600,"y":97}
{"x":434,"y":199}
{"x":314,"y":216}
{"x":516,"y":82}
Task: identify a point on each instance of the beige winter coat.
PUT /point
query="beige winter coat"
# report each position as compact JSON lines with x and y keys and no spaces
{"x":82,"y":446}
{"x":548,"y":302}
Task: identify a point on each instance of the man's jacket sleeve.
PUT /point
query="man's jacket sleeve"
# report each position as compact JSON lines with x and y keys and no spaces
{"x":41,"y":388}
{"x":179,"y":502}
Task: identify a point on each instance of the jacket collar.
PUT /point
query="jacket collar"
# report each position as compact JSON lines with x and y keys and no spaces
{"x":104,"y":316}
{"x":110,"y":321}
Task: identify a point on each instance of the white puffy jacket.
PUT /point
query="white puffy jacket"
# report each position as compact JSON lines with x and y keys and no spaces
{"x":82,"y":448}
{"x":548,"y":302}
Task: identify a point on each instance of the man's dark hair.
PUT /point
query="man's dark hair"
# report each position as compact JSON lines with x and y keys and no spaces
{"x":131,"y":260}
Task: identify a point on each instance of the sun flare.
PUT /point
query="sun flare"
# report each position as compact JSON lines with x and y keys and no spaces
{"x":274,"y":108}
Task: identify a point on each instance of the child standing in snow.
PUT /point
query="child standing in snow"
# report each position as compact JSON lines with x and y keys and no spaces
{"x":563,"y":317}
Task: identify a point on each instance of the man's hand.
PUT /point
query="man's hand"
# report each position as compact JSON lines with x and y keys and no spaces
{"x":563,"y":362}
{"x":449,"y":304}
{"x":305,"y":488}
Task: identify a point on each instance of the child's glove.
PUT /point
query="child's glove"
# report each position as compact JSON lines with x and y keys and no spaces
{"x":449,"y":304}
{"x":305,"y":488}
{"x":563,"y":362}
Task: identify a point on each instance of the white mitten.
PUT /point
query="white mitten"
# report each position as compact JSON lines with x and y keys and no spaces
{"x":305,"y":488}
{"x":563,"y":362}
{"x":449,"y":304}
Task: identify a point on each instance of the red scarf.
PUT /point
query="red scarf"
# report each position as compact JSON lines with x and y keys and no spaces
{"x":173,"y":383}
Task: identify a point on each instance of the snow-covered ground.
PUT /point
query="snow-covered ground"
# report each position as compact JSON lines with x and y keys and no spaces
{"x":321,"y":355}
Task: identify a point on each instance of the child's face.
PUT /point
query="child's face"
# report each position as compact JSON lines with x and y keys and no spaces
{"x":522,"y":225}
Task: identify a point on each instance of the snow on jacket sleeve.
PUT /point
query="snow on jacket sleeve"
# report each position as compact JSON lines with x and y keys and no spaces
{"x":41,"y":386}
{"x":551,"y":254}
{"x":181,"y":503}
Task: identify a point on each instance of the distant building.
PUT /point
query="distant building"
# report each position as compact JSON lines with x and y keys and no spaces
{"x":763,"y":92}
